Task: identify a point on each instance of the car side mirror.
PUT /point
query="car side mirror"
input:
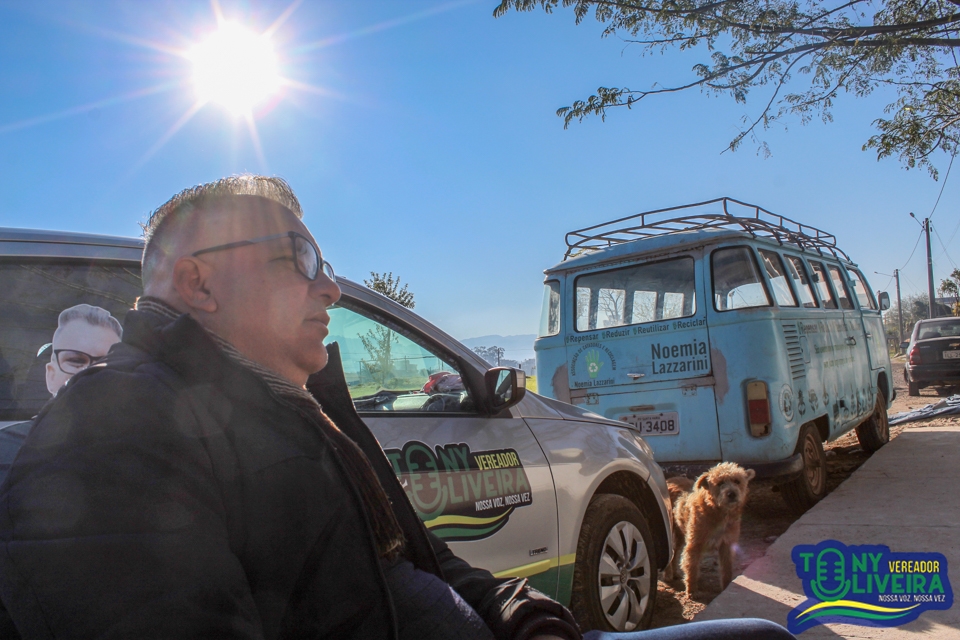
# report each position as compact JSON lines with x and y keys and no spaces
{"x":505,"y":387}
{"x":884,"y":300}
{"x":904,"y":345}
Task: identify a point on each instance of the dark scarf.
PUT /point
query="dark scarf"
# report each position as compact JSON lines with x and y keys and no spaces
{"x":386,"y":529}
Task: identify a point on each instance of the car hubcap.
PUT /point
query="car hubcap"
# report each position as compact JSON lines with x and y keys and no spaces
{"x":813,"y":464}
{"x":625,"y":577}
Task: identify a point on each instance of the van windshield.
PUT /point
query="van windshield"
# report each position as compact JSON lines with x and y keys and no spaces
{"x":634,"y":295}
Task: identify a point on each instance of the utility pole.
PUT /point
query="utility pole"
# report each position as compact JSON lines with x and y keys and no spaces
{"x":896,"y":275}
{"x":930,"y":290}
{"x":933,"y":300}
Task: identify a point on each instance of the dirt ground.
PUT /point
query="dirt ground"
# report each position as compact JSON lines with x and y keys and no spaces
{"x":766,"y":516}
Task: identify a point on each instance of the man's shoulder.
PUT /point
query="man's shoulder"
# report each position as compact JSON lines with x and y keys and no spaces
{"x":128,"y":396}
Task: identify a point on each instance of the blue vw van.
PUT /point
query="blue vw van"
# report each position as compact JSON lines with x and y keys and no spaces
{"x":723,"y":332}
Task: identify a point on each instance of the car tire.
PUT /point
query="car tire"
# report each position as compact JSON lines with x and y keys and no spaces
{"x":875,"y":431}
{"x":913,"y":389}
{"x":810,"y":486}
{"x":615,"y":575}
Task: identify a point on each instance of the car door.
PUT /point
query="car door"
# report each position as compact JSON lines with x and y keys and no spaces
{"x":481,"y":483}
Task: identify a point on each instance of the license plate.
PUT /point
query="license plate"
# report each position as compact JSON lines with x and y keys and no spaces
{"x":655,"y":424}
{"x":951,"y":355}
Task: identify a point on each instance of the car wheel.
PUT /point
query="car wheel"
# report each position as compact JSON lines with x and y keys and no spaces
{"x":913,"y":389}
{"x":615,"y":575}
{"x":810,"y":486}
{"x":875,"y":432}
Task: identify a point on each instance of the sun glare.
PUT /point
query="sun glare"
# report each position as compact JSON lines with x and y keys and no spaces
{"x":235,"y":68}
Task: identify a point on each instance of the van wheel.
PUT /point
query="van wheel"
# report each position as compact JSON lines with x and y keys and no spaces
{"x":810,"y":486}
{"x":875,"y":432}
{"x":615,"y":575}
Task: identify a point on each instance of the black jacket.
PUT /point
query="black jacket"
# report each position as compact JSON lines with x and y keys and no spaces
{"x":171,"y":494}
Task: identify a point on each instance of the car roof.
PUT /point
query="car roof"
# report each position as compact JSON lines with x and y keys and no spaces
{"x":670,"y":243}
{"x":35,"y":243}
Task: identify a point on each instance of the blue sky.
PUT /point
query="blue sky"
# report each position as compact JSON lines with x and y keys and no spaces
{"x":428,"y":145}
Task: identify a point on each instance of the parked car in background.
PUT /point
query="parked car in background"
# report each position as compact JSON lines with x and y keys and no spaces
{"x":933,"y":356}
{"x":723,"y":332}
{"x":539,"y":489}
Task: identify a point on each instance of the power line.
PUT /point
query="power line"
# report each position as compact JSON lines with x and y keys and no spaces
{"x":911,"y":282}
{"x":940,"y":240}
{"x":914,"y":251}
{"x":944,"y":185}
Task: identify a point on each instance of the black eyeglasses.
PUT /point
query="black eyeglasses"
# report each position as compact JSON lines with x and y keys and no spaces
{"x":72,"y":361}
{"x":305,"y":255}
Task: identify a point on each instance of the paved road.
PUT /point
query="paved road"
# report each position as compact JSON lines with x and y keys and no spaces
{"x":906,"y":496}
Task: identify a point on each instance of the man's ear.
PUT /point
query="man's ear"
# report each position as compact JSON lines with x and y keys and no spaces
{"x":51,"y":372}
{"x":190,"y":280}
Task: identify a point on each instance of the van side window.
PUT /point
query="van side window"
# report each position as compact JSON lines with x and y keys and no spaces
{"x":550,"y":314}
{"x":823,"y":289}
{"x":634,"y":295}
{"x":737,"y":283}
{"x":862,"y":292}
{"x":778,"y":278}
{"x":843,"y":293}
{"x":798,"y":273}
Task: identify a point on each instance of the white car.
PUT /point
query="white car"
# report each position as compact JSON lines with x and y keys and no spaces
{"x":535,"y":488}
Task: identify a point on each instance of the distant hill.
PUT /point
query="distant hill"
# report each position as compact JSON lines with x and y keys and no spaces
{"x":517,"y":347}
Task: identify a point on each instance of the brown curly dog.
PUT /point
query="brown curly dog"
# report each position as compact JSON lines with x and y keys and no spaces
{"x":706,"y":516}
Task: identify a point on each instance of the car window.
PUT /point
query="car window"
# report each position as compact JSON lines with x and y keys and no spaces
{"x":823,"y":289}
{"x":773,"y":265}
{"x":388,"y":370}
{"x":860,"y":289}
{"x":634,"y":295}
{"x":939,"y":328}
{"x":798,"y":273}
{"x":550,"y":314}
{"x":840,"y":286}
{"x":737,"y":283}
{"x":32,"y":295}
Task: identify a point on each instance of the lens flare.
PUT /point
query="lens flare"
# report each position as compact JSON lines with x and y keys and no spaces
{"x":235,"y":68}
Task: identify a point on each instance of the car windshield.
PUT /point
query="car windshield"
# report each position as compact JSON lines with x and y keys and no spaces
{"x":932,"y":329}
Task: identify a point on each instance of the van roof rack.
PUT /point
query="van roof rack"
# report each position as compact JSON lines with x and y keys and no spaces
{"x":753,"y":219}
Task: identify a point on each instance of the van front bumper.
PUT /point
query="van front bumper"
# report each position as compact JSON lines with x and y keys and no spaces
{"x":781,"y":470}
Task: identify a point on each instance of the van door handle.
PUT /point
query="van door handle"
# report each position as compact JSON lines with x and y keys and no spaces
{"x":851,"y":341}
{"x":869,"y":335}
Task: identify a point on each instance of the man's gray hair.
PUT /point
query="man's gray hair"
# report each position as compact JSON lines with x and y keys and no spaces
{"x":90,"y":314}
{"x":183,"y":205}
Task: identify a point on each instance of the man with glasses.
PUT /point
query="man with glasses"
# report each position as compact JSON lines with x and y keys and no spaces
{"x":83,"y":337}
{"x":192,"y":487}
